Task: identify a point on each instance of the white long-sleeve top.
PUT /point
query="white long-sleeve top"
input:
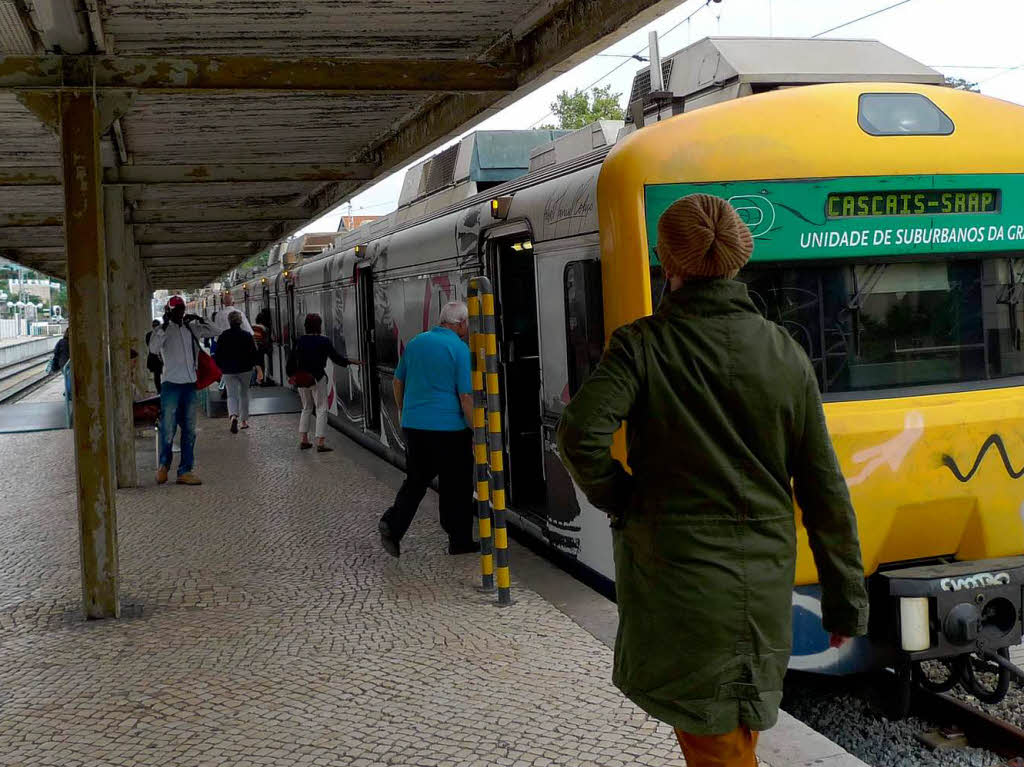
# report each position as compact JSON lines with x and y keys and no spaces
{"x":222,"y":323}
{"x":179,"y":350}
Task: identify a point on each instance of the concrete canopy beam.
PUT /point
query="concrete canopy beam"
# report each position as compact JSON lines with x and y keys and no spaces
{"x":30,"y":219}
{"x":198,"y":174}
{"x":240,"y":173}
{"x":226,"y":249}
{"x":565,"y":33}
{"x":17,"y":237}
{"x":15,"y":175}
{"x":322,"y":74}
{"x":271,"y":214}
{"x":88,"y":312}
{"x":39,"y":253}
{"x":150,"y":234}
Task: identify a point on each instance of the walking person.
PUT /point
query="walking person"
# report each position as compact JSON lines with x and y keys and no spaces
{"x":237,"y":358}
{"x":61,"y":357}
{"x":220,"y":319}
{"x":434,"y":393}
{"x":307,"y":367}
{"x":261,"y":332}
{"x":61,"y":352}
{"x":177,"y":341}
{"x":724,"y":424}
{"x":154,"y":362}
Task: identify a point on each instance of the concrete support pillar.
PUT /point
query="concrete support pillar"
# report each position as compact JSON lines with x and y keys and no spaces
{"x":121,"y":275}
{"x":89,"y":338}
{"x":143,"y":294}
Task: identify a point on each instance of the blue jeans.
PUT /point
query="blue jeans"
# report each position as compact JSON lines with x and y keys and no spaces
{"x":178,"y":408}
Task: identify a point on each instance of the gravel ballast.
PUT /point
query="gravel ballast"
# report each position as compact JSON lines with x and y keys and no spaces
{"x":842,"y":711}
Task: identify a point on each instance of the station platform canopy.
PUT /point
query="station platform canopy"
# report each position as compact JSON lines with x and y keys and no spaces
{"x":231,"y":125}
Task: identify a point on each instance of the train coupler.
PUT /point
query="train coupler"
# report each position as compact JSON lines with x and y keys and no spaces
{"x":963,"y":616}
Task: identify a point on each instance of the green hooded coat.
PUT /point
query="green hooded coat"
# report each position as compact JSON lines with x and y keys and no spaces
{"x":724,"y":423}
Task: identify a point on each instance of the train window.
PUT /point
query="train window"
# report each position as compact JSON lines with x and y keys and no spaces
{"x":901,"y":114}
{"x":808,"y":304}
{"x":584,"y":320}
{"x":890,"y":325}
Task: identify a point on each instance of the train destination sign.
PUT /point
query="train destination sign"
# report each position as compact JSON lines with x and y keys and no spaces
{"x":922,"y":202}
{"x":826,"y":218}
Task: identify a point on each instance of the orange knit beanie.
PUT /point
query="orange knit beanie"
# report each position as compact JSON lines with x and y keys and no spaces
{"x":702,"y":236}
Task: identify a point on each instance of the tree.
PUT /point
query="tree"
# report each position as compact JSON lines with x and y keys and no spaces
{"x":962,"y":85}
{"x":579,"y":108}
{"x":258,"y":261}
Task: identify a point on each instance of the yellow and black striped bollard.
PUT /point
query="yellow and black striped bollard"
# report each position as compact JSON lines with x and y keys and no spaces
{"x":481,"y":475}
{"x":481,"y":286}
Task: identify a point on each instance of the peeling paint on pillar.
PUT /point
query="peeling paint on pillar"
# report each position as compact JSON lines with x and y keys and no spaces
{"x":120,"y":281}
{"x":87,"y":310}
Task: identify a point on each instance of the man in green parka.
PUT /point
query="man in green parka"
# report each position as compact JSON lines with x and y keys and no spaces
{"x":724,"y":426}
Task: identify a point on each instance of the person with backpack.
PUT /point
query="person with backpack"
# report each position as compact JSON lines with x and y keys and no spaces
{"x":177,"y":341}
{"x":237,"y":358}
{"x":307,"y":370}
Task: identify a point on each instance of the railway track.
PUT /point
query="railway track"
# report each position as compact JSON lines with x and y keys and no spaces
{"x":941,"y":729}
{"x":20,"y":378}
{"x":979,"y":728}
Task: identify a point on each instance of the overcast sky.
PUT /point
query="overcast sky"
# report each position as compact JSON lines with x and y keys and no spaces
{"x":978,"y":40}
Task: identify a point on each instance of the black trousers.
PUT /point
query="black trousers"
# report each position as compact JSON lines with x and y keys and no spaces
{"x":447,"y":455}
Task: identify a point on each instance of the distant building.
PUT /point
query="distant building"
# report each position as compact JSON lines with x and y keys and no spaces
{"x":41,"y":290}
{"x":348,"y":223}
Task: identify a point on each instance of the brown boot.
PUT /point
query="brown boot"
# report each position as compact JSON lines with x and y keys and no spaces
{"x":189,"y":479}
{"x":161,"y":475}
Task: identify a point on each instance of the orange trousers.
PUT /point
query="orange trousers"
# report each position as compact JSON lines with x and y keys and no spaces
{"x":733,"y":749}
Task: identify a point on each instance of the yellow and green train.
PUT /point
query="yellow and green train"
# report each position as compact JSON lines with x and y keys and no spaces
{"x":888,"y":219}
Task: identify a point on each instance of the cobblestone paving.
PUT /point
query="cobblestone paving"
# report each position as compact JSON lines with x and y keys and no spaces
{"x":264,"y":626}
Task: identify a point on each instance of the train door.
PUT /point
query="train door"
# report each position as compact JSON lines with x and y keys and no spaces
{"x":265,"y":314}
{"x":278,"y":332}
{"x":512,"y":268}
{"x":288,"y":329}
{"x":367,"y":328}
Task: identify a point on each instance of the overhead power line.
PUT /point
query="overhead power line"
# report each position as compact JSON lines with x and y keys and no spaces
{"x":617,"y":67}
{"x":861,"y":18}
{"x":1005,"y":71}
{"x":970,"y":66}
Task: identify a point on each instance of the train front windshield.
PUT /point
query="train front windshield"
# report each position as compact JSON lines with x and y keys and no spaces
{"x":887,"y":282}
{"x":895,"y":324}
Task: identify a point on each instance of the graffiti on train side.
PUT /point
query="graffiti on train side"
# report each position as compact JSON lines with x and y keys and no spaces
{"x":892,"y":452}
{"x":467,"y":237}
{"x":994,"y":440}
{"x":571,"y":208}
{"x":975,"y":581}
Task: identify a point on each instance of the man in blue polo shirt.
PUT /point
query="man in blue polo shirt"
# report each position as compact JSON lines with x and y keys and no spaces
{"x":434,"y":392}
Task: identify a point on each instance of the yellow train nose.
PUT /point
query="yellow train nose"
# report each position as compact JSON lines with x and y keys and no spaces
{"x":931,"y":476}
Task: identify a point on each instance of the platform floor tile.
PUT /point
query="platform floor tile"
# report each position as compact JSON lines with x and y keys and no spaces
{"x":263,"y":625}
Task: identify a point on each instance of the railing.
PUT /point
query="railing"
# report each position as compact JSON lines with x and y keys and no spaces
{"x":11,"y":328}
